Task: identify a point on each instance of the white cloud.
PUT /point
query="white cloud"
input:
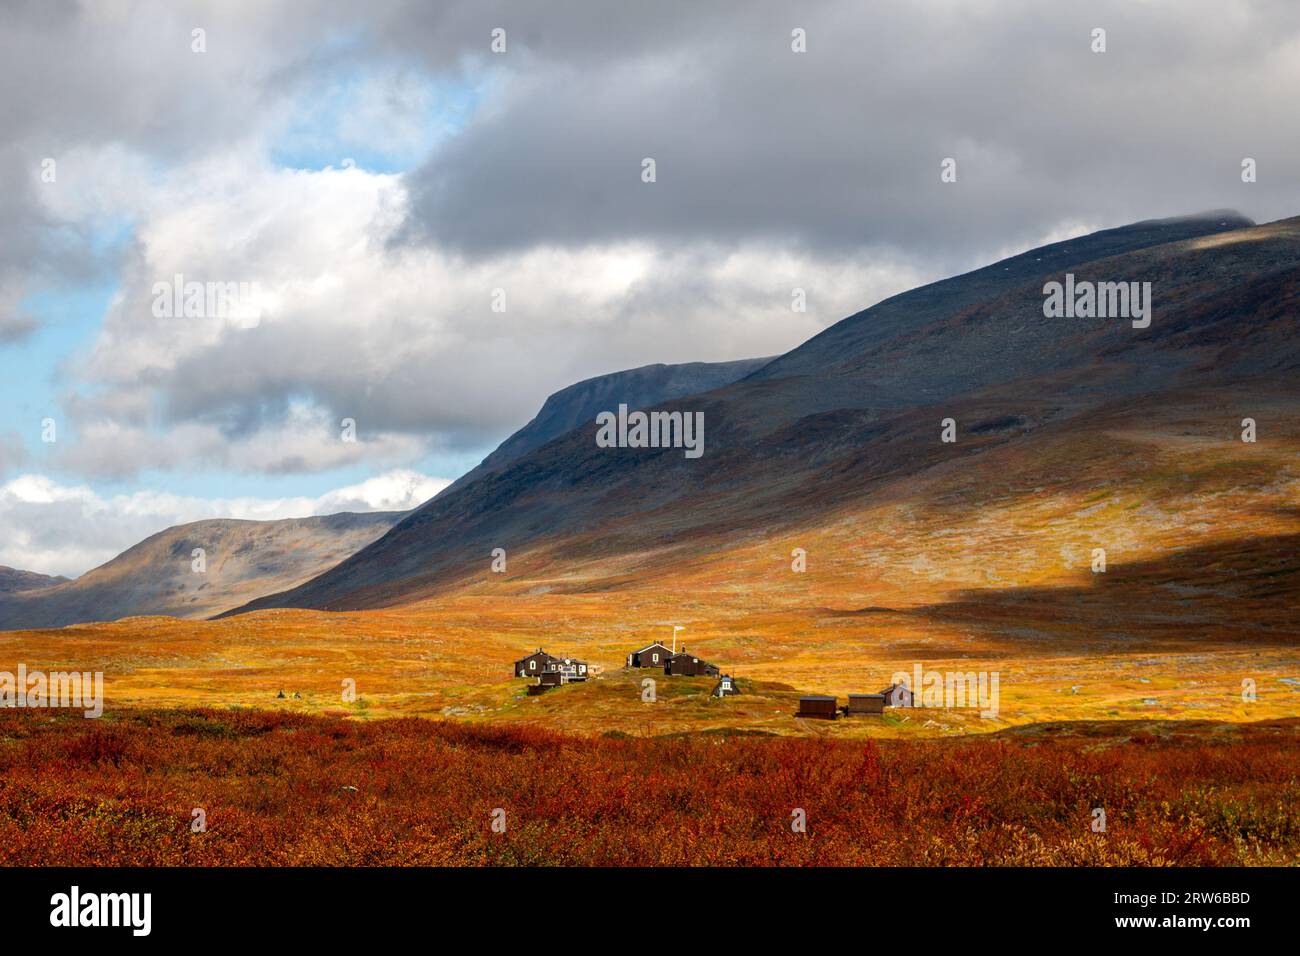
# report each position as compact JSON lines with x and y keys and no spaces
{"x":401,"y":339}
{"x":305,"y":440}
{"x":68,"y":529}
{"x":398,"y":490}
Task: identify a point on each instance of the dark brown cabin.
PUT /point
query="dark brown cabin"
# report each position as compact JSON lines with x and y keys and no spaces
{"x":819,"y":708}
{"x":656,"y":655}
{"x":685,"y":665}
{"x":897,"y":695}
{"x":725,"y":687}
{"x":533,"y":664}
{"x":865,"y":704}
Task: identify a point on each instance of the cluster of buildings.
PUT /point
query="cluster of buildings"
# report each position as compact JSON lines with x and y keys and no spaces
{"x":553,"y":671}
{"x":681,"y":664}
{"x":549,"y":671}
{"x":828,"y":708}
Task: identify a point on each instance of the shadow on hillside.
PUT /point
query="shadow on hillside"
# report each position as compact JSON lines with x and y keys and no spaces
{"x":1245,"y":590}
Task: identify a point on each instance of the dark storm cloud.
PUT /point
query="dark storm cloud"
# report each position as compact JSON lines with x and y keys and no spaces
{"x":835,"y":148}
{"x":840,"y":147}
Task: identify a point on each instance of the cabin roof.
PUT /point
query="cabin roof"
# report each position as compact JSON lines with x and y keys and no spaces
{"x":537,"y":653}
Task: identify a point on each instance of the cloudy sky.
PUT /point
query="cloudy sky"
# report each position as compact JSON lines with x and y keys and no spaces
{"x":376,"y":172}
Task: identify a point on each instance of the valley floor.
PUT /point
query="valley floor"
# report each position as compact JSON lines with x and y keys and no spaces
{"x":453,"y":658}
{"x":987,"y":563}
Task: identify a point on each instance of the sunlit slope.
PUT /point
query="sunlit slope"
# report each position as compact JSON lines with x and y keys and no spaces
{"x":240,"y":559}
{"x":791,"y":452}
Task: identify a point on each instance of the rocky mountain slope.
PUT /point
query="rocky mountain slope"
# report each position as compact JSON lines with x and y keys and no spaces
{"x":248,"y":559}
{"x":854,"y":415}
{"x":578,"y":404}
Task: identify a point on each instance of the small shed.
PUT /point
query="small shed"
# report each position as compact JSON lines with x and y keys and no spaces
{"x":552,"y":678}
{"x":725,"y":687}
{"x":865,"y":704}
{"x":818,"y":707}
{"x":653,"y":655}
{"x":533,"y":664}
{"x":897,"y":695}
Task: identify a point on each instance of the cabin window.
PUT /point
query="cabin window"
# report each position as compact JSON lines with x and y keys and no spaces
{"x":532,"y":665}
{"x":655,"y":658}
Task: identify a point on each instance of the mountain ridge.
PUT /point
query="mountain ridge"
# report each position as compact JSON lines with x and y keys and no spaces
{"x":13,"y":580}
{"x":974,"y":346}
{"x":104,"y":593}
{"x":243,"y":558}
{"x":637,"y":388}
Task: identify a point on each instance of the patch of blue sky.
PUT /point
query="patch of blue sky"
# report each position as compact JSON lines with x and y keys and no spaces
{"x":383,"y":121}
{"x":67,"y":314}
{"x":67,"y":320}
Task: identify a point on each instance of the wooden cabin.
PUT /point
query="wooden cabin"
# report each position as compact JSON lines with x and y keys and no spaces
{"x":654,"y":655}
{"x":865,"y":704}
{"x":685,"y":665}
{"x":818,"y":707}
{"x":725,"y":687}
{"x":897,"y":695}
{"x":533,"y":664}
{"x":568,"y":669}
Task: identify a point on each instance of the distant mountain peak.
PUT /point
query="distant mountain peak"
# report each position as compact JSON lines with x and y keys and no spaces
{"x":243,"y":559}
{"x":13,"y":580}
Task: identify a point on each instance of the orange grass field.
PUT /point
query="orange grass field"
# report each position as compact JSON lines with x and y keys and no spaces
{"x":454,"y":660}
{"x":291,"y":789}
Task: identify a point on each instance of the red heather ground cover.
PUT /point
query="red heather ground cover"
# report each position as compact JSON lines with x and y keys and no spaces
{"x":287,"y":789}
